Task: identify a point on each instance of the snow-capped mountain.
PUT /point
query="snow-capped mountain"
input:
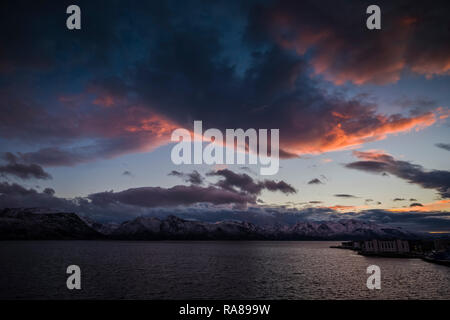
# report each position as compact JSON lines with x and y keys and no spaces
{"x":176,"y":228}
{"x":40,"y":224}
{"x":344,"y":229}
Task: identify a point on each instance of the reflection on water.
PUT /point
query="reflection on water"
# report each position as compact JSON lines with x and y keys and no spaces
{"x":210,"y":270}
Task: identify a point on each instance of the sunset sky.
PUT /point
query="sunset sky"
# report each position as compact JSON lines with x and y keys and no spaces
{"x":86,"y":115}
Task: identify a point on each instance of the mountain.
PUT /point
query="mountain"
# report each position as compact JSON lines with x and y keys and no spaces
{"x":344,"y":229}
{"x":149,"y":228}
{"x":31,"y":224}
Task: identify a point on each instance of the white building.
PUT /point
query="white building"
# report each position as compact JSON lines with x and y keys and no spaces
{"x":385,"y":246}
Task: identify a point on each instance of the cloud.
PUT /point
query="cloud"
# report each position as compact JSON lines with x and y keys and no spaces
{"x":127,"y":173}
{"x":175,"y":196}
{"x":341,"y":52}
{"x":315,"y":181}
{"x":152,"y":73}
{"x":445,"y":146}
{"x":134,"y":130}
{"x":399,"y":199}
{"x":235,"y":188}
{"x":440,"y":205}
{"x":247,"y":184}
{"x":378,"y":162}
{"x":408,"y":218}
{"x":49,"y":191}
{"x":193,"y":178}
{"x":342,"y":208}
{"x":22,"y":170}
{"x":14,"y":188}
{"x":15,"y":195}
{"x":343,"y":195}
{"x":74,"y":130}
{"x":228,"y":192}
{"x":416,"y":204}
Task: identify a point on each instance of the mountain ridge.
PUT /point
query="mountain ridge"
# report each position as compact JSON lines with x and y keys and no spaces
{"x":27,"y":224}
{"x":38,"y":224}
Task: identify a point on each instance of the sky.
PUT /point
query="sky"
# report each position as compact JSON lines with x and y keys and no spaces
{"x":86,"y":116}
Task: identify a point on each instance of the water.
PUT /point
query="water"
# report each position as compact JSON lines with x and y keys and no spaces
{"x":210,"y":270}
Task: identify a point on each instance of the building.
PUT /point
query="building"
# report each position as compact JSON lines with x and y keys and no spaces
{"x":441,"y":244}
{"x":385,"y":246}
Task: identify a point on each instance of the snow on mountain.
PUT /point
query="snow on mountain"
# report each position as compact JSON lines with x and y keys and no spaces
{"x":176,"y":228}
{"x":41,"y":224}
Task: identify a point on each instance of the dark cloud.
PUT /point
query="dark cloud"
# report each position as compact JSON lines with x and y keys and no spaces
{"x":379,"y":162}
{"x":247,"y":184}
{"x":445,"y":146}
{"x":194,"y":177}
{"x":176,"y":173}
{"x":127,"y":136}
{"x":420,"y":221}
{"x":315,"y":202}
{"x":315,"y":181}
{"x":275,"y":80}
{"x":49,"y":191}
{"x":14,"y":167}
{"x":127,"y":173}
{"x":412,"y":199}
{"x":14,"y":189}
{"x":15,"y":195}
{"x":278,"y":186}
{"x":148,"y":67}
{"x":175,"y":196}
{"x":342,"y":49}
{"x":343,"y":195}
{"x":399,"y":199}
{"x":416,"y":204}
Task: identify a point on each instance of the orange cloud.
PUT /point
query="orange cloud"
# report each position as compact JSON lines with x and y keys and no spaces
{"x":443,"y":113}
{"x":347,"y":133}
{"x":347,"y":208}
{"x":104,"y":101}
{"x":441,"y":205}
{"x":432,"y":64}
{"x":341,"y":54}
{"x":342,"y":208}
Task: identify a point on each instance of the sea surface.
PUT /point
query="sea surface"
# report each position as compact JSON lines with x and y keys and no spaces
{"x":210,"y":270}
